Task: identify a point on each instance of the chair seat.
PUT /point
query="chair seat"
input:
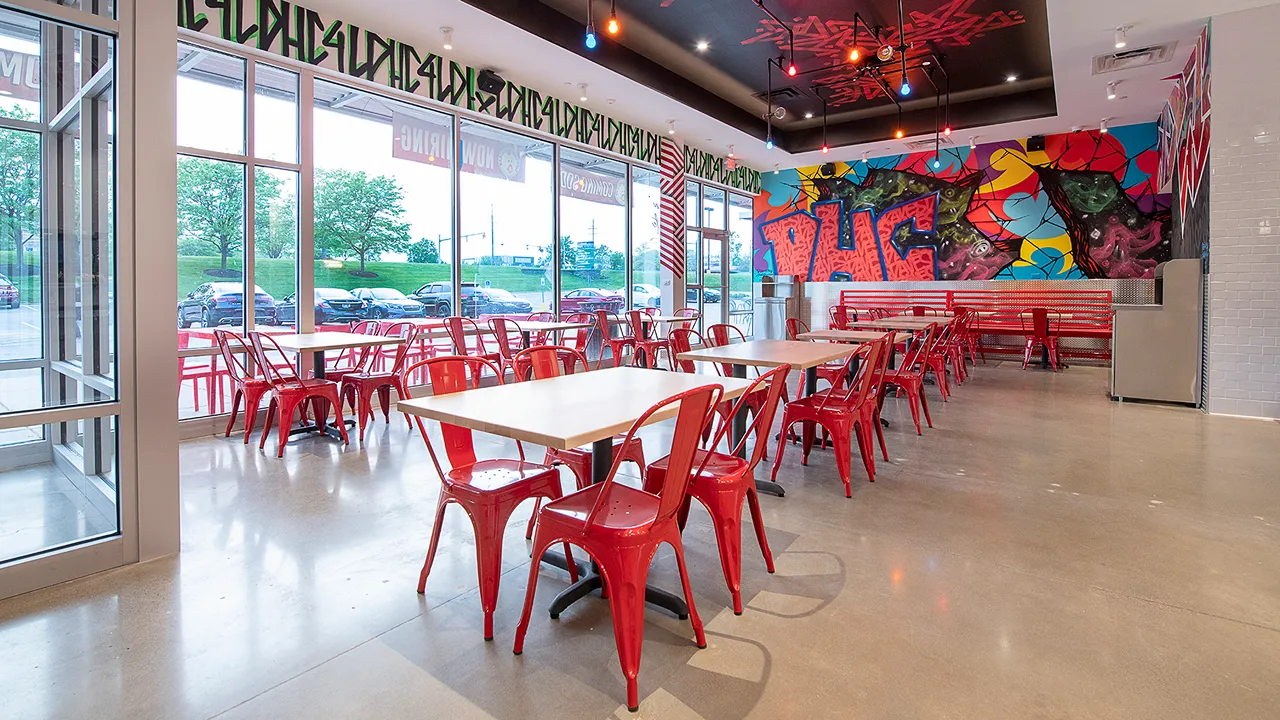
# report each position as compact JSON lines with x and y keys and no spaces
{"x":487,"y":476}
{"x":625,"y":511}
{"x":719,"y":467}
{"x":304,"y":384}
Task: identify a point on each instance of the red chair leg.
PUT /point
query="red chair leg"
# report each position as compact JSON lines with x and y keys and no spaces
{"x":384,"y":398}
{"x":924,"y":404}
{"x":235,"y":408}
{"x":913,"y":401}
{"x":624,"y":570}
{"x":875,"y":420}
{"x":866,"y":449}
{"x":844,"y":461}
{"x":252,"y":401}
{"x":365,"y":411}
{"x":435,"y":541}
{"x":540,"y":545}
{"x":266,"y":428}
{"x":699,"y":636}
{"x":726,"y":515}
{"x":488,"y":522}
{"x":753,"y":502}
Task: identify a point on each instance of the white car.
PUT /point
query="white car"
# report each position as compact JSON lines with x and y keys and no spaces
{"x":643,"y":296}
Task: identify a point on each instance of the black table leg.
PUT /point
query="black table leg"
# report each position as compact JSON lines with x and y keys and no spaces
{"x":329,"y":429}
{"x":601,"y":460}
{"x":528,"y":340}
{"x":810,"y":380}
{"x":740,"y":429}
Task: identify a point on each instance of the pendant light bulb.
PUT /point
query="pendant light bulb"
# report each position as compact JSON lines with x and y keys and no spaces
{"x":613,"y":26}
{"x":825,"y":149}
{"x":591,"y":40}
{"x":947,"y":131}
{"x":854,"y":55}
{"x":791,"y":70}
{"x":768,"y":143}
{"x":898,"y":134}
{"x":936,"y":163}
{"x":905,"y":90}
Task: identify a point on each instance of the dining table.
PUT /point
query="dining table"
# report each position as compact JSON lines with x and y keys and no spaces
{"x":567,"y":412}
{"x":801,"y":355}
{"x":317,"y":343}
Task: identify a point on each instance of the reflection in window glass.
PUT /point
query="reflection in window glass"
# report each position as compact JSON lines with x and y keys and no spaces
{"x":741,"y":228}
{"x":210,"y":100}
{"x":593,"y":232}
{"x":20,"y":263}
{"x":646,"y":224}
{"x":20,"y":67}
{"x":383,"y":205}
{"x":275,"y":114}
{"x":275,"y":242}
{"x":712,"y":207}
{"x":507,"y":205}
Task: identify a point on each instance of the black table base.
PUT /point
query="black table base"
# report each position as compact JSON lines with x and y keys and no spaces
{"x":329,"y":429}
{"x":601,"y":461}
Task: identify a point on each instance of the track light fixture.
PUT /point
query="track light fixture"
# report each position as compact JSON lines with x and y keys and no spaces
{"x":582,"y":88}
{"x":1102,"y":126}
{"x":1122,"y":36}
{"x":447,"y":32}
{"x":973,"y":143}
{"x":671,"y":127}
{"x":775,"y":168}
{"x":730,"y":151}
{"x":612,"y":27}
{"x":865,"y":154}
{"x":1111,"y":91}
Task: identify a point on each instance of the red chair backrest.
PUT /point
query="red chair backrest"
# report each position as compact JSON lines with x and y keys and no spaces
{"x":639,"y":327}
{"x":233,"y":348}
{"x":651,"y":311}
{"x":690,"y":313}
{"x":696,"y":406}
{"x":459,"y":328}
{"x":1040,"y":321}
{"x":408,"y":336}
{"x":858,"y":391}
{"x":581,"y":335}
{"x":505,"y":331}
{"x":606,"y":320}
{"x":451,"y":374}
{"x":547,"y":361}
{"x":921,"y":344}
{"x":775,"y":380}
{"x":274,"y":374}
{"x":720,"y":335}
{"x":682,"y":341}
{"x":840,"y":317}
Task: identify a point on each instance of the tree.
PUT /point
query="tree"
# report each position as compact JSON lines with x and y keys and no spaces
{"x":568,"y":254}
{"x":211,"y":206}
{"x":359,"y":216}
{"x":19,"y":187}
{"x":425,"y":250}
{"x":275,"y":216}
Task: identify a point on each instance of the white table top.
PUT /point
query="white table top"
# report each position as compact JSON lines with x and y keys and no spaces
{"x":851,"y":336}
{"x":772,"y":353}
{"x":936,"y":313}
{"x":568,"y":411}
{"x":550,"y":326}
{"x":315,"y":342}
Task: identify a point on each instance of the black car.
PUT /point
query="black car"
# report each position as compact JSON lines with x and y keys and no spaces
{"x":332,"y":306}
{"x":221,"y":303}
{"x":476,"y":300}
{"x":382,"y":303}
{"x":709,"y":295}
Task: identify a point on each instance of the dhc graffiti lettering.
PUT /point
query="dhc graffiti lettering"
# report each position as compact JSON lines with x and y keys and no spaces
{"x":299,"y":33}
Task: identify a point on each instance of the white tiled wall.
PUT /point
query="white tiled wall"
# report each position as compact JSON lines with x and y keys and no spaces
{"x":1244,"y":215}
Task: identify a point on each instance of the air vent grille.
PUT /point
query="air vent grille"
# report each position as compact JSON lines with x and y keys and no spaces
{"x":1135,"y":58}
{"x":780,"y":95}
{"x":927,"y":144}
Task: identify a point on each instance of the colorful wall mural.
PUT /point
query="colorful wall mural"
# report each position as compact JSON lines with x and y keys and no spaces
{"x":1086,"y":206}
{"x":1184,"y":152}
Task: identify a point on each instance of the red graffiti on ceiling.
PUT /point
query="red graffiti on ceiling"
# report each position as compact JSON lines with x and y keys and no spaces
{"x":951,"y":24}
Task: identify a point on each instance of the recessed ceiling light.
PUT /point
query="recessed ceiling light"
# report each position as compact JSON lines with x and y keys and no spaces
{"x":703,"y":46}
{"x":1011,"y":78}
{"x":808,"y":116}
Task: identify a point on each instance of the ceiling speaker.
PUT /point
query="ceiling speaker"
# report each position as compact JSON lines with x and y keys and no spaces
{"x":1035,"y":143}
{"x":490,"y":82}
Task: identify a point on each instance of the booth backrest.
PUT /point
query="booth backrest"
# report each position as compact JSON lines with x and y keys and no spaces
{"x":895,"y":301}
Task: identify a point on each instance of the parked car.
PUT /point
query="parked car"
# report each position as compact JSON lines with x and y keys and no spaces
{"x":709,"y":295}
{"x":643,"y":296}
{"x":8,"y":293}
{"x":388,"y":303}
{"x":591,"y":299}
{"x":476,"y":300}
{"x":332,"y":306}
{"x":221,"y":303}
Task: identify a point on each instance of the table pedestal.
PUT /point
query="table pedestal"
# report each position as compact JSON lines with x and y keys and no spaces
{"x":601,"y":461}
{"x":740,"y":429}
{"x":329,"y":429}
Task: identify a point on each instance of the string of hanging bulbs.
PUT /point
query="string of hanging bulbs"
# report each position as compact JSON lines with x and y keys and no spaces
{"x":612,"y":26}
{"x":875,"y":59}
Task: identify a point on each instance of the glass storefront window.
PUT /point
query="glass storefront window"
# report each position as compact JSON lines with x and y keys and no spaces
{"x":741,"y":227}
{"x":57,"y":328}
{"x":383,"y":207}
{"x":646,"y":276}
{"x":506,"y":202}
{"x":275,"y":114}
{"x":593,"y":233}
{"x":210,"y":100}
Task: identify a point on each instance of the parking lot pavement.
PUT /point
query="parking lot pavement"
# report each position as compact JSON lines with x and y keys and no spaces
{"x":20,"y":333}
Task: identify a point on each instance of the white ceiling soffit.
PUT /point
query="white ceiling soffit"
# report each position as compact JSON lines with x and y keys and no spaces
{"x":1079,"y":30}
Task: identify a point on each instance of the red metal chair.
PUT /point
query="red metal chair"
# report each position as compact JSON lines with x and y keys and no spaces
{"x":936,"y":359}
{"x":579,"y":338}
{"x":691,"y":313}
{"x":924,"y":311}
{"x":548,"y":361}
{"x":840,"y":317}
{"x":833,"y":373}
{"x":243,"y":383}
{"x":954,"y":350}
{"x":971,"y":340}
{"x":197,"y":372}
{"x":843,"y":414}
{"x":621,"y":528}
{"x":358,"y":386}
{"x":459,"y":329}
{"x":288,"y":392}
{"x":605,"y":322}
{"x":723,"y":481}
{"x":510,"y":339}
{"x":1041,"y":326}
{"x":909,"y":376}
{"x":487,"y":490}
{"x":542,"y":337}
{"x":647,"y":341}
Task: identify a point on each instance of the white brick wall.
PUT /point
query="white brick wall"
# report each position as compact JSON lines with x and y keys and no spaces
{"x":1244,"y":215}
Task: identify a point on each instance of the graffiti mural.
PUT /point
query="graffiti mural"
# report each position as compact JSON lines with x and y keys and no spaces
{"x":1086,"y":206}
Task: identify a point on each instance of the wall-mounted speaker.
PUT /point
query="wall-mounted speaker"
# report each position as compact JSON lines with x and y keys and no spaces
{"x":490,"y":82}
{"x":1035,"y":143}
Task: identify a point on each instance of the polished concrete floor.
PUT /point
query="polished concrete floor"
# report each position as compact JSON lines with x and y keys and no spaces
{"x":1041,"y":553}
